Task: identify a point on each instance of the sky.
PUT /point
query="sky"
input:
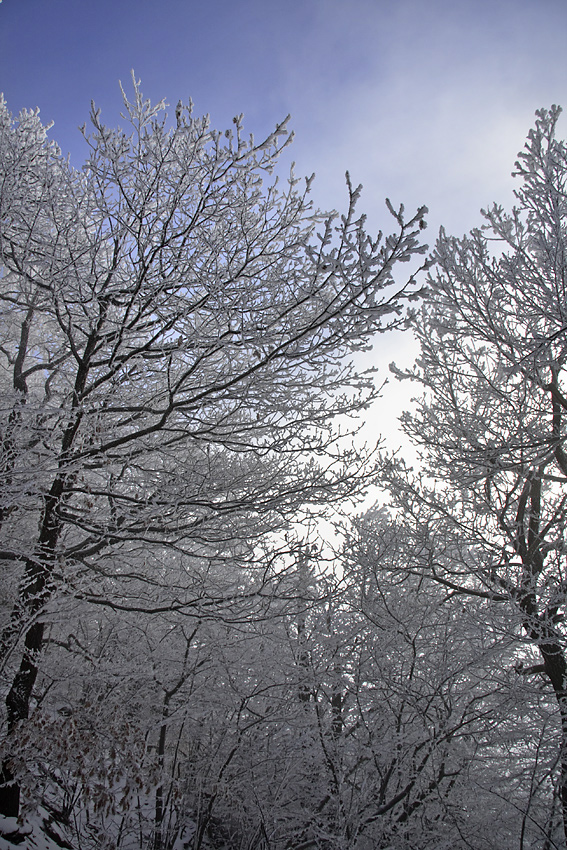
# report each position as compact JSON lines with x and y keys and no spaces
{"x":423,"y":101}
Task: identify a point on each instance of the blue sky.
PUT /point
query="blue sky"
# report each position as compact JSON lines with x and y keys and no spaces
{"x":424,"y":101}
{"x":427,"y":101}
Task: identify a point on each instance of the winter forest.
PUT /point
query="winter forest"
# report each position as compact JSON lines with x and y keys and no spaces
{"x":206,"y":644}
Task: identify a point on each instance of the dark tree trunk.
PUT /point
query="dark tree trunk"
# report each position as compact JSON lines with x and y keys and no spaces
{"x":555,"y":667}
{"x":18,"y":706}
{"x":9,"y":792}
{"x":160,"y":808}
{"x":35,"y":591}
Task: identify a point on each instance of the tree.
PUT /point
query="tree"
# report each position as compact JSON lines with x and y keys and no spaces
{"x":488,"y":511}
{"x":467,"y":753}
{"x":176,"y":331}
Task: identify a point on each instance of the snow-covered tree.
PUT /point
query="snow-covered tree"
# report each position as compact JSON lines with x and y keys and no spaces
{"x":176,"y":332}
{"x":488,"y":511}
{"x":467,"y":743}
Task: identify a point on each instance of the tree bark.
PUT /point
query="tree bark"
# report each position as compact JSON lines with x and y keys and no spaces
{"x":34,"y":593}
{"x":556,"y":670}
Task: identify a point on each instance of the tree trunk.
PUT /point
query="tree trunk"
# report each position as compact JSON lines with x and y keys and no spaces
{"x":159,"y":807}
{"x":18,"y":705}
{"x":35,"y":591}
{"x":556,"y":669}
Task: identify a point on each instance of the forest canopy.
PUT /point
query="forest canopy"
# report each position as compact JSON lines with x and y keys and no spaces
{"x":183,"y":665}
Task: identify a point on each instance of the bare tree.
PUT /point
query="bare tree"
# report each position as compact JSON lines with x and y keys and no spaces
{"x":467,"y":743}
{"x":176,"y":329}
{"x":488,"y":512}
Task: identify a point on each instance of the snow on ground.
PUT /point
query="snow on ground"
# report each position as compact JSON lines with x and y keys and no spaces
{"x":40,"y":832}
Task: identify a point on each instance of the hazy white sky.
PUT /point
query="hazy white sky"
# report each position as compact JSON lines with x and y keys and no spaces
{"x":424,"y":101}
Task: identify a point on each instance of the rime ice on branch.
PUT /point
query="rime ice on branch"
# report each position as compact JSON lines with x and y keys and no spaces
{"x":176,"y":332}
